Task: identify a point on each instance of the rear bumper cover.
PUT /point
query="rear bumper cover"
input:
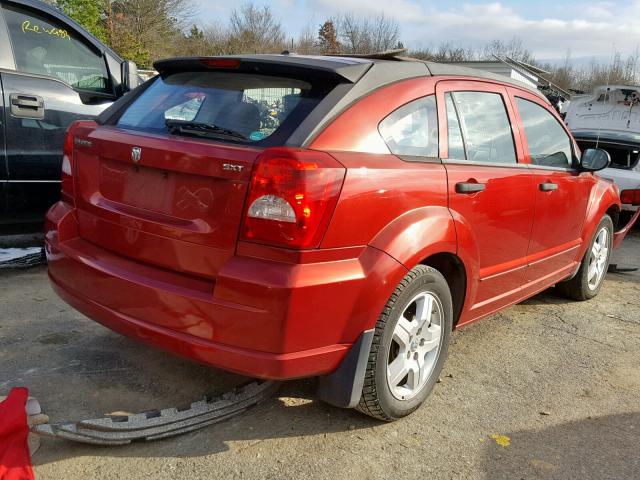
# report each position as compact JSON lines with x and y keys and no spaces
{"x":266,"y":319}
{"x":239,"y":360}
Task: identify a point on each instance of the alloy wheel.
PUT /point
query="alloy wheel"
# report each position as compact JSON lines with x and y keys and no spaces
{"x":598,"y":259}
{"x":415,"y":344}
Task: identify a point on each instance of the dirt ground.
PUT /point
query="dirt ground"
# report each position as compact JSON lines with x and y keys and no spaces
{"x":545,"y":389}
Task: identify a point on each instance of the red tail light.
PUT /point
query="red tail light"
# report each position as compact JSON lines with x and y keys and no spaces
{"x":292,"y":196}
{"x":630,"y":196}
{"x":68,"y":161}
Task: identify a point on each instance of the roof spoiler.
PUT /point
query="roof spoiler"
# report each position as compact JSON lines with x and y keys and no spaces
{"x":398,"y":55}
{"x":345,"y":69}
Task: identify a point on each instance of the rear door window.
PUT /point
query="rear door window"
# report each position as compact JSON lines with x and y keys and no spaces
{"x":45,"y":46}
{"x":412,"y":130}
{"x":549,"y":144}
{"x":223,"y":105}
{"x":485,"y":127}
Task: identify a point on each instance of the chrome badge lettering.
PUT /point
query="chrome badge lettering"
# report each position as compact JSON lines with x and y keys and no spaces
{"x":81,"y":142}
{"x":232,"y":167}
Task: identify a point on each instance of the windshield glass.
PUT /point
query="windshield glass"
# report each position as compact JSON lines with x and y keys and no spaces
{"x":248,"y":107}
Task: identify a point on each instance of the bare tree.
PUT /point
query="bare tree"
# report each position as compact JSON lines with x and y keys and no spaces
{"x":513,"y":49}
{"x":385,"y":33}
{"x":364,"y":34}
{"x":354,"y":34}
{"x":254,"y":29}
{"x":216,"y":39}
{"x":306,"y":44}
{"x":445,"y":52}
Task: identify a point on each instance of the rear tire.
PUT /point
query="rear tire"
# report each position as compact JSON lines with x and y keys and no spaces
{"x":587,"y":283}
{"x":410,"y":345}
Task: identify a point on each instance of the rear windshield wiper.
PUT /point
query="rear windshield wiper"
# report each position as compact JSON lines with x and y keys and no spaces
{"x":201,"y":129}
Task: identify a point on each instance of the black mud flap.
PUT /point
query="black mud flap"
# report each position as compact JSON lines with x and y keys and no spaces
{"x":343,"y":388}
{"x":158,"y":424}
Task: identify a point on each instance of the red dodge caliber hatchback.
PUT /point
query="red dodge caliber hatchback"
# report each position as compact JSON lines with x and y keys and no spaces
{"x":283,"y":216}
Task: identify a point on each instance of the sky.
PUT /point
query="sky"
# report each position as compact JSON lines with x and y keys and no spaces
{"x":547,"y":28}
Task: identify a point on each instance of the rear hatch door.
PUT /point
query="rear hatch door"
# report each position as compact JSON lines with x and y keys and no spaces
{"x":165,"y":182}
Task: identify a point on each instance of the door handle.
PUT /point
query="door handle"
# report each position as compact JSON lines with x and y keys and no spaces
{"x":470,"y":187}
{"x":25,"y":105}
{"x":548,"y":187}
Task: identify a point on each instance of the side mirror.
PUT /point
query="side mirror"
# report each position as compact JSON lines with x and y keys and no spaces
{"x":129,"y":75}
{"x":594,"y":159}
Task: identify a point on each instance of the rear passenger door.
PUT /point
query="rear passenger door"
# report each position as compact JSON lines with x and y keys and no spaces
{"x":562,"y":192}
{"x":491,"y":192}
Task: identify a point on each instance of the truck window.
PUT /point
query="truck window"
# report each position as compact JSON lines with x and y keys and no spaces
{"x":45,"y":46}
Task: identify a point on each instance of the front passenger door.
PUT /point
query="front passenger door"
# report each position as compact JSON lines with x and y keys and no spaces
{"x":562,"y":193}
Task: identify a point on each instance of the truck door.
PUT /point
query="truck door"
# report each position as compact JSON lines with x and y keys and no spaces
{"x":4,"y":169}
{"x":59,"y":78}
{"x":6,"y":62}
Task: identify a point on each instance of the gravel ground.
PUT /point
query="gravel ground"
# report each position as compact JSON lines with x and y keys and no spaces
{"x":545,"y":389}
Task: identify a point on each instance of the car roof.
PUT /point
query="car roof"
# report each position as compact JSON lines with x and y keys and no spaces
{"x":362,"y":74}
{"x":374,"y":70}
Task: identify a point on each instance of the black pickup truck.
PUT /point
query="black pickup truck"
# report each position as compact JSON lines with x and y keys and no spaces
{"x":52,"y":72}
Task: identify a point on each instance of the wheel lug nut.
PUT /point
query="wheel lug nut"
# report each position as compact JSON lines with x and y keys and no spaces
{"x":415,"y":356}
{"x":422,"y":342}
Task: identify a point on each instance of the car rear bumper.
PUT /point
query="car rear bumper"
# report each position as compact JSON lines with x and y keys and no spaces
{"x":265,"y":319}
{"x":239,"y":360}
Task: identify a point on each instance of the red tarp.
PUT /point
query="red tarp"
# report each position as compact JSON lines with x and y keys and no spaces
{"x":15,"y":463}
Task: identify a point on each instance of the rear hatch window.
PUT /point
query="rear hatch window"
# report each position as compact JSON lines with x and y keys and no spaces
{"x":225,"y":106}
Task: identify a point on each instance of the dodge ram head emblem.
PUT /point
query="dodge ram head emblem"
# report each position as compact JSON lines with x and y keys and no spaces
{"x":136,"y":154}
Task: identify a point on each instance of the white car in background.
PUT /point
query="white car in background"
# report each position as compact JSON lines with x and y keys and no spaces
{"x":610,"y":117}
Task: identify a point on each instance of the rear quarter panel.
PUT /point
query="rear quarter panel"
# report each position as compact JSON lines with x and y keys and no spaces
{"x":379,"y":187}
